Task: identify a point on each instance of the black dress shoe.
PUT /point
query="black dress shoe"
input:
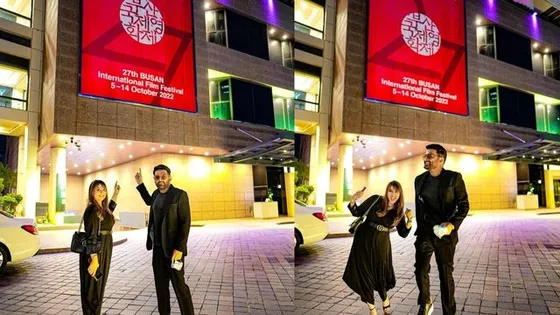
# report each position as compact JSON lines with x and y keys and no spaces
{"x":426,"y":309}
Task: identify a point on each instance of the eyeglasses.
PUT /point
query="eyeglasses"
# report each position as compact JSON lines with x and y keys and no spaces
{"x":430,"y":156}
{"x":164,"y":177}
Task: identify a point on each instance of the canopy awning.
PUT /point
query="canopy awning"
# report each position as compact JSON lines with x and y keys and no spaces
{"x":540,"y":151}
{"x":277,"y":151}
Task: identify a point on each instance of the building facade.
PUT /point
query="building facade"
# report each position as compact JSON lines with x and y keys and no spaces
{"x":504,"y":143}
{"x":242,"y":78}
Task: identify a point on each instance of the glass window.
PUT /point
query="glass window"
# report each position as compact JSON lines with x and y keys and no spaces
{"x":216,"y":27}
{"x":548,"y":118}
{"x":287,"y":54}
{"x":489,"y":105}
{"x":307,"y":89}
{"x":309,"y":18}
{"x":18,"y":11}
{"x":220,"y":99}
{"x":485,"y":40}
{"x":284,"y":113}
{"x":551,"y":66}
{"x":13,"y":87}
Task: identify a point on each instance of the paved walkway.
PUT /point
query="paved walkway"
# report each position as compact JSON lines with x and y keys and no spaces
{"x":230,"y":269}
{"x":503,"y":265}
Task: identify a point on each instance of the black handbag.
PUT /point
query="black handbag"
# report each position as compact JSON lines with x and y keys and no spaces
{"x":356,"y":223}
{"x":82,"y":245}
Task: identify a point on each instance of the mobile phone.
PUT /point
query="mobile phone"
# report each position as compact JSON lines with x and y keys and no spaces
{"x":364,"y":189}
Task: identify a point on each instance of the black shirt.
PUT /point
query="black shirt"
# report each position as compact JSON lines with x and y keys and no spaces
{"x":158,"y":217}
{"x":433,"y":208}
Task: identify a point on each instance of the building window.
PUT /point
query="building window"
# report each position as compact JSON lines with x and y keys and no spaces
{"x":309,"y":18}
{"x":307,"y":88}
{"x":485,"y":41}
{"x":284,"y":113}
{"x":13,"y":87}
{"x":16,"y":11}
{"x":220,"y":99}
{"x":551,"y":65}
{"x":489,"y":104}
{"x":548,"y":118}
{"x":216,"y":27}
{"x":281,"y":52}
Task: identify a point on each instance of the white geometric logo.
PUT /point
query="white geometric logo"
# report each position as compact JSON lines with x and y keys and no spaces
{"x":421,"y":34}
{"x":142,"y":20}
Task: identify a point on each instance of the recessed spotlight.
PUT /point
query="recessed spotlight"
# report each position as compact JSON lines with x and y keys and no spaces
{"x":130,"y":156}
{"x":67,"y":170}
{"x":43,"y":168}
{"x":161,"y":146}
{"x":79,"y":173}
{"x":98,"y":167}
{"x":129,"y":143}
{"x":453,"y":149}
{"x":394,"y":158}
{"x":462,"y":148}
{"x":92,"y":140}
{"x":478,"y":21}
{"x":363,"y":167}
{"x":332,"y":163}
{"x":272,"y":31}
{"x":545,"y":151}
{"x":121,"y":146}
{"x":88,"y":170}
{"x":409,"y":153}
{"x":102,"y":154}
{"x":207,"y":5}
{"x":536,"y":45}
{"x":382,"y":162}
{"x":475,"y":152}
{"x":285,"y":37}
{"x":87,"y":161}
{"x":407,"y":141}
{"x":546,"y":51}
{"x":371,"y":157}
{"x":206,"y":153}
{"x":384,"y":151}
{"x":361,"y":161}
{"x":371,"y":165}
{"x":554,"y":151}
{"x":113,"y":162}
{"x":181,"y":151}
{"x":401,"y":145}
{"x":356,"y":150}
{"x":153,"y":149}
{"x":191,"y":149}
{"x":75,"y":165}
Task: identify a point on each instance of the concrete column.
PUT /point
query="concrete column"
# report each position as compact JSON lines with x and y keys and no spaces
{"x":28,"y":182}
{"x":57,"y":185}
{"x":345,"y":175}
{"x":323,"y":167}
{"x":549,"y":189}
{"x":289,"y":183}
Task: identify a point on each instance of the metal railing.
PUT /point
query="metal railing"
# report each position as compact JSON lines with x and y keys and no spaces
{"x":15,"y":17}
{"x":10,"y":102}
{"x":306,"y":29}
{"x":308,"y":106}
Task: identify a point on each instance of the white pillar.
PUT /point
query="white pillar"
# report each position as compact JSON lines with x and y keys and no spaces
{"x":57,"y":185}
{"x":345,"y":175}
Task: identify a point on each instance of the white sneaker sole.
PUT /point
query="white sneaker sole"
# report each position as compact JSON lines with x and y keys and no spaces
{"x":431,"y":310}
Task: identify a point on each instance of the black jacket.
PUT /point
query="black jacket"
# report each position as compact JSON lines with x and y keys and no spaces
{"x":176,"y":219}
{"x":453,"y":198}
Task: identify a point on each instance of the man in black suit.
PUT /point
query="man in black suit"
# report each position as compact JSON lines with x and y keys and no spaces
{"x":441,"y":206}
{"x":168,"y":231}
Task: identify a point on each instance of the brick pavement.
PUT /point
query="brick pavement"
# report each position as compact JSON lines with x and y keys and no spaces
{"x":230,"y":270}
{"x":503,"y":265}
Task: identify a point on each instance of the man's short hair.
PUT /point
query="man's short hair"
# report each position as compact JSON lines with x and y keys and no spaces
{"x":162,"y":167}
{"x":439,"y":149}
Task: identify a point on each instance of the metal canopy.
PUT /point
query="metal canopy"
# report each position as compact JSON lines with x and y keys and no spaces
{"x":540,"y":151}
{"x":278,"y":151}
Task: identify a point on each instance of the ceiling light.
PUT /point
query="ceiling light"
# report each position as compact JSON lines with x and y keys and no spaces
{"x":332,"y":163}
{"x":98,"y":166}
{"x":191,"y":149}
{"x":70,"y":152}
{"x":87,"y":161}
{"x":384,"y":151}
{"x":129,"y":143}
{"x":102,"y":154}
{"x":361,"y":161}
{"x":363,"y":167}
{"x":130,"y":156}
{"x":382,"y":162}
{"x":478,"y":21}
{"x":453,"y":149}
{"x":475,"y":152}
{"x":546,"y":51}
{"x":545,"y":151}
{"x":161,"y":146}
{"x":88,"y":170}
{"x":206,"y":153}
{"x":153,"y":149}
{"x":181,"y":151}
{"x":356,"y":150}
{"x":401,"y":145}
{"x":554,"y":151}
{"x":536,"y":45}
{"x":409,"y":153}
{"x":462,"y":148}
{"x":371,"y":165}
{"x":285,"y":37}
{"x":407,"y":141}
{"x":121,"y":146}
{"x":272,"y":31}
{"x":113,"y":162}
{"x":92,"y":140}
{"x":43,"y":168}
{"x":394,"y":158}
{"x":79,"y":173}
{"x":353,"y":164}
{"x":371,"y":156}
{"x":75,"y":165}
{"x":207,"y":5}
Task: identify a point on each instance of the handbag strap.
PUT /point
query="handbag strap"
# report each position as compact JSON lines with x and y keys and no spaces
{"x":98,"y":226}
{"x":367,"y":211}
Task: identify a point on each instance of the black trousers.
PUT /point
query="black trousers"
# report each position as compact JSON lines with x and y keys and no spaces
{"x":162,"y":274}
{"x":444,"y":250}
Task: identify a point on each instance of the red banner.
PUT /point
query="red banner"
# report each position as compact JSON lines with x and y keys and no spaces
{"x":416,"y":54}
{"x":139,"y":51}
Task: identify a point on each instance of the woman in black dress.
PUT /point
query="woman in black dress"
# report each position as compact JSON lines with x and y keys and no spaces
{"x":370,"y":265}
{"x":94,"y":268}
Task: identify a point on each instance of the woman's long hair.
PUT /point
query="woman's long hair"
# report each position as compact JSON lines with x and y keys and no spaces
{"x":399,"y":205}
{"x":101,"y":208}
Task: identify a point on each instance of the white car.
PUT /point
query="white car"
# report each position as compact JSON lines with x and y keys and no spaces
{"x":19,"y":239}
{"x":311,"y":224}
